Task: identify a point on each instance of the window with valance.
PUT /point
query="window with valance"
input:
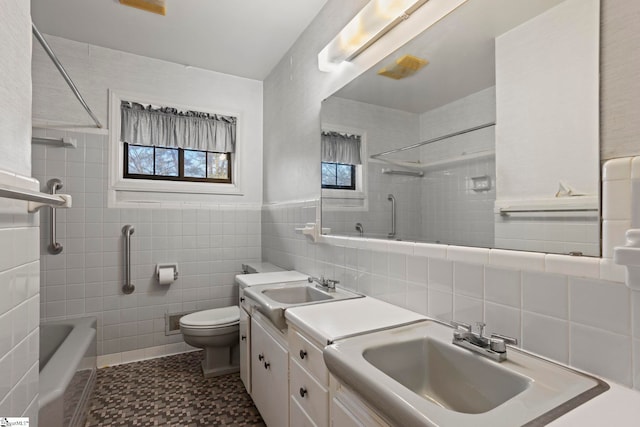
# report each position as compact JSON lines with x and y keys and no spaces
{"x":168,"y":144}
{"x":341,"y":154}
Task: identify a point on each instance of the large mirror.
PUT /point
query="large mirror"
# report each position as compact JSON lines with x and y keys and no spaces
{"x":482,"y":131}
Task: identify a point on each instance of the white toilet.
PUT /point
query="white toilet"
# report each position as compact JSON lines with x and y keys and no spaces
{"x":215,"y":331}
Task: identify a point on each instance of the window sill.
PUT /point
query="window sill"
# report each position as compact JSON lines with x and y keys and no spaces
{"x":328,"y":193}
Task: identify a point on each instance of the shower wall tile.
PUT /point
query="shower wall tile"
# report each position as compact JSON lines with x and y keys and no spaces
{"x":19,"y":304}
{"x":209,"y":246}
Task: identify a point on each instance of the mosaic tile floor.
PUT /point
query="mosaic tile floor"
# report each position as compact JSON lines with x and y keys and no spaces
{"x":169,"y":391}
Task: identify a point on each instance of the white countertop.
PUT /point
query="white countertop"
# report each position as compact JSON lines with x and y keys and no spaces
{"x":245,"y":280}
{"x":617,"y":407}
{"x":331,"y":321}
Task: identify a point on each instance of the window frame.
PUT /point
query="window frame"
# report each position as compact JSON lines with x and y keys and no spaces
{"x":124,"y":192}
{"x":181,"y":176}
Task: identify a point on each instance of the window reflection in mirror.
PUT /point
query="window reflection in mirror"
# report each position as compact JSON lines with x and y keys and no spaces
{"x":494,"y":143}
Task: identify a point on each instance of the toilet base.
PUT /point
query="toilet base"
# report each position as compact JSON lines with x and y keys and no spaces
{"x":221,"y":361}
{"x":216,"y":372}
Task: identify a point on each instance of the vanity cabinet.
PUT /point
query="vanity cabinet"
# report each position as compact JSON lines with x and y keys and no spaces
{"x":309,"y":382}
{"x":349,"y":410}
{"x":245,"y":349}
{"x":269,"y":372}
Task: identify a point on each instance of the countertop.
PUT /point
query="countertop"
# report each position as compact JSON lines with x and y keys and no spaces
{"x":340,"y":319}
{"x":245,"y":280}
{"x":619,"y":406}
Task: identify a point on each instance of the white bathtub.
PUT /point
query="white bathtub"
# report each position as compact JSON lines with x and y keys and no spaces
{"x":67,"y":371}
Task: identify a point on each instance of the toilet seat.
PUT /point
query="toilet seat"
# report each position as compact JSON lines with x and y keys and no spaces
{"x":214,"y":318}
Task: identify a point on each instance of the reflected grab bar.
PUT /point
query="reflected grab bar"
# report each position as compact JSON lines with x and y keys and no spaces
{"x":128,"y":287}
{"x":393,"y":216}
{"x":54,"y":247}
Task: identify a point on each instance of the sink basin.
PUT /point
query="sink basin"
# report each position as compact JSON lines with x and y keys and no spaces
{"x":447,"y":377}
{"x":273,"y":299}
{"x":413,"y":375}
{"x":296,"y":294}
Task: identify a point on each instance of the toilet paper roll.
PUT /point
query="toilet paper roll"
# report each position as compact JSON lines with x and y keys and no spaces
{"x":165,"y":275}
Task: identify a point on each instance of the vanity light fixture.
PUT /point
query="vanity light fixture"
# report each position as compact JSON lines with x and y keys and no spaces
{"x":372,"y":22}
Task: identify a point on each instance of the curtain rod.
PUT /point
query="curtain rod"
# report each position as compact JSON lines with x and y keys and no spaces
{"x":429,"y":141}
{"x":64,"y":73}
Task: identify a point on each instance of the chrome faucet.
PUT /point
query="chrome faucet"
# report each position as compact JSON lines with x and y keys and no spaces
{"x":322,"y":283}
{"x":493,"y":347}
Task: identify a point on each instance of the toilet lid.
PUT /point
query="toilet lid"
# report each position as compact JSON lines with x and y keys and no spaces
{"x":214,"y":317}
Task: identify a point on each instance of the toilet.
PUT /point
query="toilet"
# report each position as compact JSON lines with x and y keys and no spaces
{"x":215,"y":331}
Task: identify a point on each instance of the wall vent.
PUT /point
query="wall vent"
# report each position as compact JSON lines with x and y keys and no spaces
{"x":172,"y":322}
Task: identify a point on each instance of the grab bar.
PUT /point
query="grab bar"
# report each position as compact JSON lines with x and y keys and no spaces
{"x":54,"y":247}
{"x":127,"y":287}
{"x":393,"y":216}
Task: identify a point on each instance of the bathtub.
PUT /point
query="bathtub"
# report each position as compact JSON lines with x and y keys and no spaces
{"x":67,"y":371}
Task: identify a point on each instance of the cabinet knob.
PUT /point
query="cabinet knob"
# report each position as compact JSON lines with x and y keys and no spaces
{"x":267,"y":365}
{"x":241,"y":299}
{"x":303,"y":354}
{"x":243,"y":337}
{"x":261,"y":357}
{"x":303,"y":392}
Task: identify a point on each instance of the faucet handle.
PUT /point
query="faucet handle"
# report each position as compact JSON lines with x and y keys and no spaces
{"x":461,"y":325}
{"x":506,"y":339}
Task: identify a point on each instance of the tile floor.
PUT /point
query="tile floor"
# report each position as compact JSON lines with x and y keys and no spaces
{"x":169,"y":391}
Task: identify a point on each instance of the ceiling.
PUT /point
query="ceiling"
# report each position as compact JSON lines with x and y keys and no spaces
{"x":461,"y":53}
{"x":245,"y":38}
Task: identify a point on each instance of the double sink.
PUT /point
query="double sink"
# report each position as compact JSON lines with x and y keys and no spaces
{"x":414,"y":375}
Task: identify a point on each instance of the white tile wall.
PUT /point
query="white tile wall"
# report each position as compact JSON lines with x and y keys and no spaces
{"x":19,"y":301}
{"x":530,"y":296}
{"x":209,"y":246}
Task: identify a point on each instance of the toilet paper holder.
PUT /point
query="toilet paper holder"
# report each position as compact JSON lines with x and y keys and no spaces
{"x":167,"y":265}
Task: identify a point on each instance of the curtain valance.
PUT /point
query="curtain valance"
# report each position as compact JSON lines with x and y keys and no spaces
{"x":339,"y":147}
{"x":169,"y":127}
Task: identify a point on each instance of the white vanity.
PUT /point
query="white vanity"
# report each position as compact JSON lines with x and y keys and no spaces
{"x":286,"y":373}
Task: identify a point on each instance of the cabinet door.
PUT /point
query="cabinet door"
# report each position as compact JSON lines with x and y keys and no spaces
{"x":269,"y":376}
{"x":309,"y":394}
{"x":245,"y":350}
{"x":299,"y":418}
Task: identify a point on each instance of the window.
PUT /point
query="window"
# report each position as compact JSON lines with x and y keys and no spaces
{"x":341,"y":161}
{"x":165,"y":143}
{"x":338,"y":176}
{"x":176,"y":164}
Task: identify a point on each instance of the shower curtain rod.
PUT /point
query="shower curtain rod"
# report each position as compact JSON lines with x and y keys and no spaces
{"x":429,"y":141}
{"x":64,"y":73}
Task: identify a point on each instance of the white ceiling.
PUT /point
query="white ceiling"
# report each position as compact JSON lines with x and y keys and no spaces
{"x":461,"y":53}
{"x":245,"y":38}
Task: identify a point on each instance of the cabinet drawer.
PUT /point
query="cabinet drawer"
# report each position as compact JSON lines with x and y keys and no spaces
{"x":308,"y":355}
{"x":298,"y":417}
{"x":310,"y":394}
